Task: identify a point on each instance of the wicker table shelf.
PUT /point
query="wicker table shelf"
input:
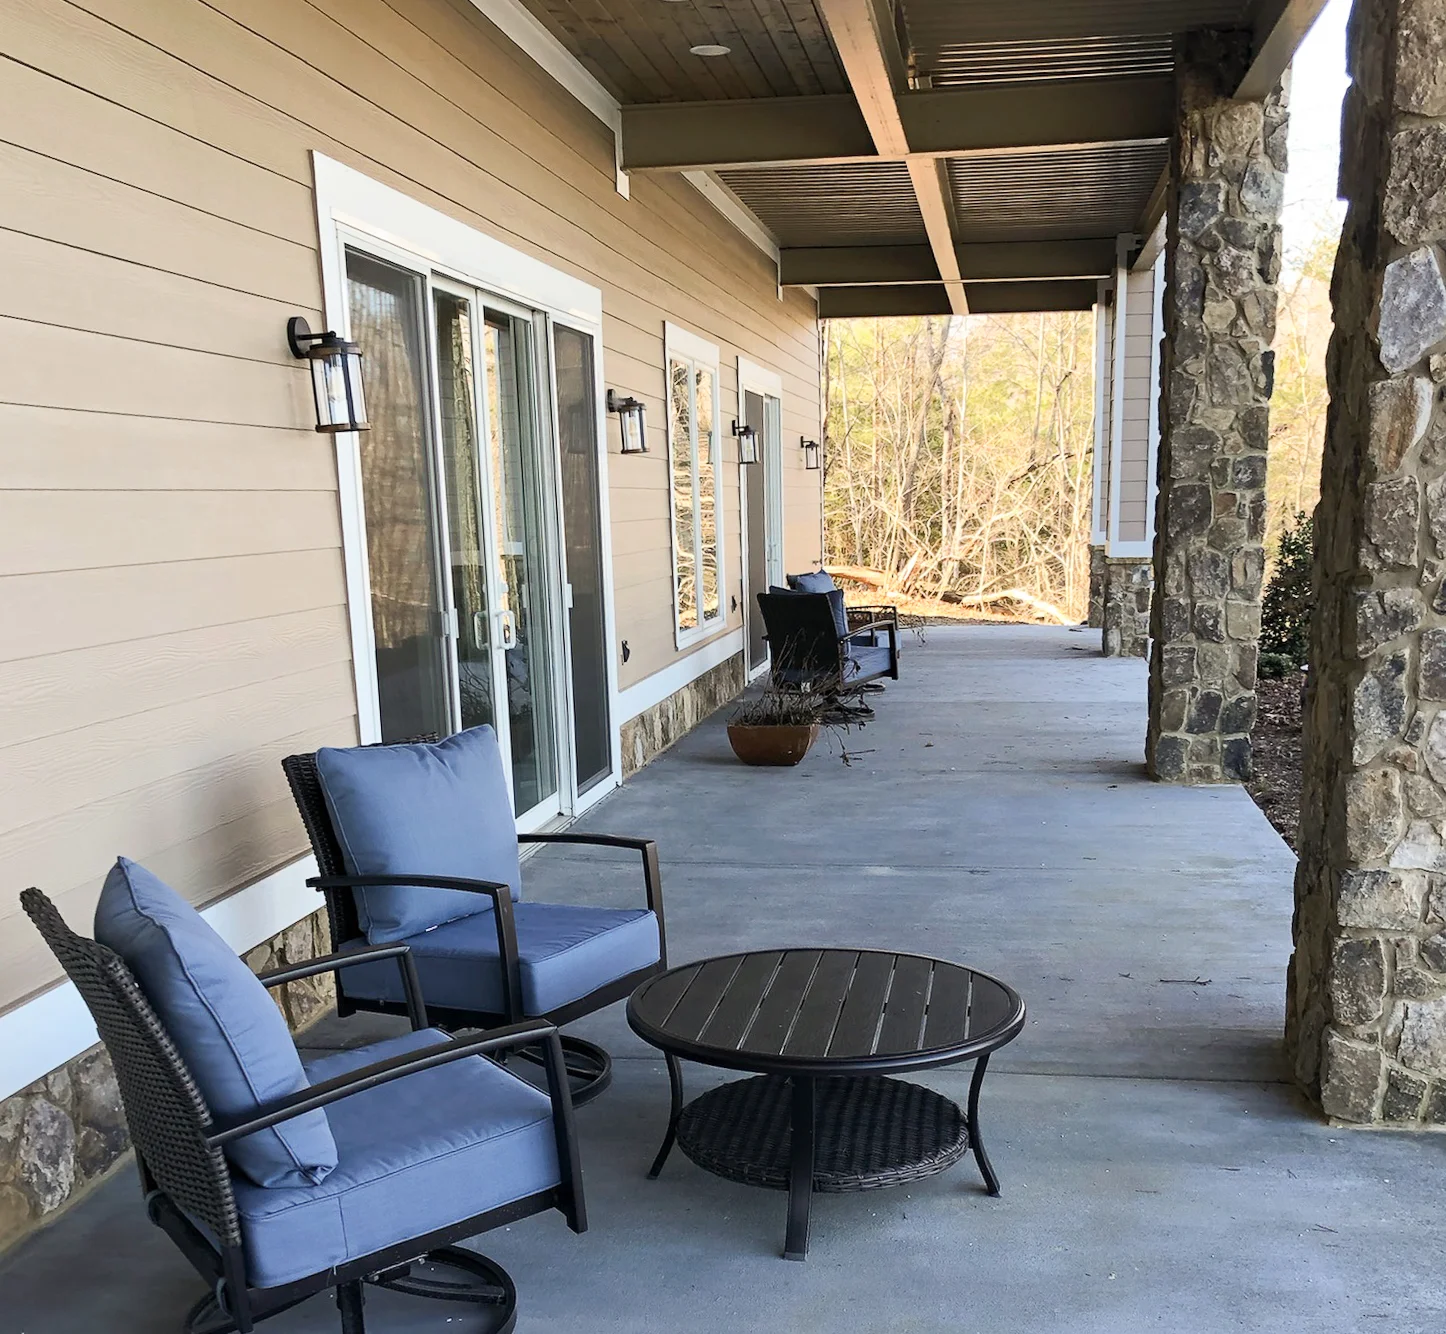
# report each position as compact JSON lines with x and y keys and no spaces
{"x":824,"y":1030}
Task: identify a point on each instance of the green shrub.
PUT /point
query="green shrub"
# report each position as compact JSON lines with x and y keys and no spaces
{"x":1285,"y":611}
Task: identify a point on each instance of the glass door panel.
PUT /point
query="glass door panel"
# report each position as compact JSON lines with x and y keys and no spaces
{"x":399,"y":499}
{"x":754,"y":482}
{"x":582,"y":527}
{"x":522,"y":610}
{"x":466,"y":510}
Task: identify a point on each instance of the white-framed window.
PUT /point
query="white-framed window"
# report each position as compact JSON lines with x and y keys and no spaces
{"x":695,"y":484}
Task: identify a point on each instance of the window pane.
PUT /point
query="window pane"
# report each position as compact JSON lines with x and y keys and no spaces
{"x":680,"y":446}
{"x":460,"y":460}
{"x":582,"y":526}
{"x":707,"y":494}
{"x":398,"y":497}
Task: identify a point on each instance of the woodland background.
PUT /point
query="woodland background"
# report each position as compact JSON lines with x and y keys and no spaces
{"x":958,"y":451}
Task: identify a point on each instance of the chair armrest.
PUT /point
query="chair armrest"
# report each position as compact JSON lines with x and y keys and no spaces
{"x":652,"y":874}
{"x":890,"y":626}
{"x":501,"y":896}
{"x":316,"y":1096}
{"x":333,"y":963}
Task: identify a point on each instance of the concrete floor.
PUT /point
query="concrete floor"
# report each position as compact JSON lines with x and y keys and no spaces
{"x":1157,"y":1173}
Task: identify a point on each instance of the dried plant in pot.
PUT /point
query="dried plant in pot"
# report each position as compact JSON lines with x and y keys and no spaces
{"x":776,"y":727}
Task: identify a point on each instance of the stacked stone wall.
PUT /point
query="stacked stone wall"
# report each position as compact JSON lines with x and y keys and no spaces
{"x":64,"y":1133}
{"x":1223,"y":260}
{"x":1129,"y":585}
{"x":1366,"y":1016}
{"x":655,"y":729}
{"x":1096,"y":617}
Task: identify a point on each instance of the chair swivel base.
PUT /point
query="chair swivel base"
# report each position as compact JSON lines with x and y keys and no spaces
{"x":589,"y":1067}
{"x":481,"y":1282}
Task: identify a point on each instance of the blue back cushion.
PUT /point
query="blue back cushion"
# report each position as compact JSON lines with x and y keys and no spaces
{"x":815,"y":581}
{"x":225,"y":1025}
{"x":429,"y":809}
{"x":835,"y":600}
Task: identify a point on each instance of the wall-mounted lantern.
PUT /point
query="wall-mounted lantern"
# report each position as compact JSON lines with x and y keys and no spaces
{"x":747,"y":439}
{"x":632,"y":417}
{"x":336,"y":377}
{"x":810,"y":454}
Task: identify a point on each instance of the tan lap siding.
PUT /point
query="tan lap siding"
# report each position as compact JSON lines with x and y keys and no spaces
{"x":1139,"y":390}
{"x":171,"y":575}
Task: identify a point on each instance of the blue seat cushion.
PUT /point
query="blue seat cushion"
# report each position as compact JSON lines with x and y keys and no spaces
{"x":814,"y":581}
{"x":565,"y":951}
{"x":423,"y":1152}
{"x":427,"y":809}
{"x":224,"y":1023}
{"x":866,"y":662}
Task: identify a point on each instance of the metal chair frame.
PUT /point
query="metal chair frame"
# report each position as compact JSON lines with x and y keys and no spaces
{"x":184,"y":1176}
{"x":589,"y":1064}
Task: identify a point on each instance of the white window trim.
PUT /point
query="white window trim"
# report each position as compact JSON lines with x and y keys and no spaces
{"x":1146,"y":545}
{"x":769,"y":384}
{"x":1113,"y":546}
{"x":1101,"y":444}
{"x":683,"y":345}
{"x":349,"y":203}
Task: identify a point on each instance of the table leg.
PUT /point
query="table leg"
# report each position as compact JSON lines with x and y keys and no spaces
{"x":675,"y":1081}
{"x":800,"y":1169}
{"x":976,"y":1144}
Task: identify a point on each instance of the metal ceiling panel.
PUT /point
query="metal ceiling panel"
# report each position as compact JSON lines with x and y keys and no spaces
{"x":1072,"y":193}
{"x":1036,"y":40}
{"x":866,"y":203}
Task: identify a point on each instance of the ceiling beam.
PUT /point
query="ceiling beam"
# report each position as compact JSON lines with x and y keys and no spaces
{"x":1280,"y":28}
{"x":842,"y":303}
{"x":823,"y":266}
{"x":945,"y":122}
{"x":848,"y":303}
{"x":1021,"y":298}
{"x":868,"y":49}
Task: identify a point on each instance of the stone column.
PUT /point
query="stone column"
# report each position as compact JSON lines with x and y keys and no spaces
{"x":1129,"y":582}
{"x":1222,"y":262}
{"x":1366,"y":1008}
{"x":1097,"y":587}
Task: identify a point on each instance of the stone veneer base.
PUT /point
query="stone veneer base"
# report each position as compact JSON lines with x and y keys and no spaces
{"x":65,"y":1133}
{"x":655,"y":729}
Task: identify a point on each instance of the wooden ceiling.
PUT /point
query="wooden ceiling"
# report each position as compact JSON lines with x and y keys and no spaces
{"x":918,"y":155}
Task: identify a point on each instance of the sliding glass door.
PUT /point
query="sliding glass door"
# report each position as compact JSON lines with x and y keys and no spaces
{"x":473,"y":457}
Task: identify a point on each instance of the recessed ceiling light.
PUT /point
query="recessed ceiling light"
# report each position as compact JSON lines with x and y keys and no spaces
{"x":709,"y":49}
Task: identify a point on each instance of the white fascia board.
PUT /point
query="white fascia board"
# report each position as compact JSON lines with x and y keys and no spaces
{"x":707,"y":184}
{"x":524,"y":29}
{"x":54,"y":1027}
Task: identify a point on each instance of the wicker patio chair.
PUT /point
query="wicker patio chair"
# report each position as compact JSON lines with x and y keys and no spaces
{"x":225,"y":1224}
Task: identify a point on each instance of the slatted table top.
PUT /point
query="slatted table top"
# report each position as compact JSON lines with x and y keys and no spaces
{"x":825,"y":1010}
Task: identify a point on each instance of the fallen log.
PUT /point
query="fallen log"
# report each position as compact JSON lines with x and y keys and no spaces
{"x":1008,"y":595}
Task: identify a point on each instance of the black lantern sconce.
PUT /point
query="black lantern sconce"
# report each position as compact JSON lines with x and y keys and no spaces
{"x":632,"y":417}
{"x":747,"y":439}
{"x":810,"y":454}
{"x":336,"y":377}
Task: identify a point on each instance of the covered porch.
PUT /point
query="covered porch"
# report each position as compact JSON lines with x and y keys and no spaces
{"x":1159,"y":1169}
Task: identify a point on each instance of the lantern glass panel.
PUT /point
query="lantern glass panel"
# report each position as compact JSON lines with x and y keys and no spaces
{"x":810,"y":455}
{"x":633,"y":427}
{"x":358,"y":414}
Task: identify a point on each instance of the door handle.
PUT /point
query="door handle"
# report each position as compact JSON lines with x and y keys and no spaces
{"x":507,"y":629}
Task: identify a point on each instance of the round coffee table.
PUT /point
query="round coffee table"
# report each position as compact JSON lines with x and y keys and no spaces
{"x":824,"y":1030}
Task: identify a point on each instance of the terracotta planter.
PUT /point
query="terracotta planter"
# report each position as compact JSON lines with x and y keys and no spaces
{"x":771,"y":745}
